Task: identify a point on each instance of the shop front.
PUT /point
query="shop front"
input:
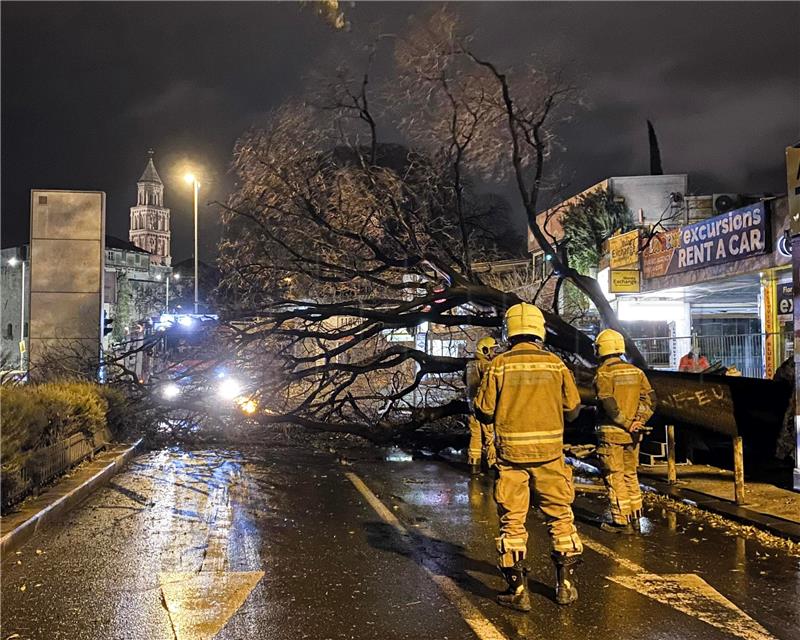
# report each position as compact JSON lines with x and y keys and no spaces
{"x":714,"y":292}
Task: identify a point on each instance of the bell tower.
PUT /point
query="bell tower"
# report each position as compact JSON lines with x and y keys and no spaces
{"x":150,"y":218}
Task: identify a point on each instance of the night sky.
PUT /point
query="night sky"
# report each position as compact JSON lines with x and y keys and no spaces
{"x":88,"y":88}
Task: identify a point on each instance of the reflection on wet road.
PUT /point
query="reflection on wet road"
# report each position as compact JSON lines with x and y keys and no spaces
{"x":283,"y":543}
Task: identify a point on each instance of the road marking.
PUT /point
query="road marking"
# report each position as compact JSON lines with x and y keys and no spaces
{"x":692,"y":595}
{"x":608,"y":553}
{"x":481,"y":625}
{"x":200,"y":603}
{"x":687,"y":593}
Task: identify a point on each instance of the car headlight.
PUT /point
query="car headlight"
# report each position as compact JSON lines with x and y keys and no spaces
{"x":229,"y":389}
{"x":170,"y":391}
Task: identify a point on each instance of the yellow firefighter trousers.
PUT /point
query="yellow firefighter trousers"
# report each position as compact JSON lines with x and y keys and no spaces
{"x":475,"y":441}
{"x":619,"y":462}
{"x":551,"y":482}
{"x":481,"y":442}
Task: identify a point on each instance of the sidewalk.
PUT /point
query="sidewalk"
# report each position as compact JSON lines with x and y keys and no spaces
{"x":767,"y":506}
{"x":35,"y":513}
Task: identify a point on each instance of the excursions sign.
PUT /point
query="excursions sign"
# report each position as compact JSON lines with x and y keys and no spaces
{"x":734,"y":235}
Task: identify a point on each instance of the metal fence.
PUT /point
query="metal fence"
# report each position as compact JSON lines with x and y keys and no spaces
{"x":44,"y":465}
{"x":743,"y":351}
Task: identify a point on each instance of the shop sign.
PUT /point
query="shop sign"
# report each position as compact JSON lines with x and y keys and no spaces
{"x":658,"y":251}
{"x":735,"y":235}
{"x":624,"y":250}
{"x":785,"y":301}
{"x":624,"y":281}
{"x":793,"y":187}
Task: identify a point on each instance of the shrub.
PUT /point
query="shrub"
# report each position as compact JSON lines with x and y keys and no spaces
{"x":121,"y":412}
{"x":35,"y":416}
{"x":25,"y":421}
{"x":72,"y":407}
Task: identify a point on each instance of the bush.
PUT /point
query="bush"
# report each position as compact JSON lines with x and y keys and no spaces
{"x":72,"y":407}
{"x":121,"y":411}
{"x":25,"y":421}
{"x":35,"y":416}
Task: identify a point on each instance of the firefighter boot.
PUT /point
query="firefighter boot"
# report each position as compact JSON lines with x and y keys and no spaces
{"x":475,"y":469}
{"x":566,"y":589}
{"x":516,"y":596}
{"x":613,"y":527}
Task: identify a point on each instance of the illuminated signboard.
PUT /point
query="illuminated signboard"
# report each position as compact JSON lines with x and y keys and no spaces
{"x":735,"y":235}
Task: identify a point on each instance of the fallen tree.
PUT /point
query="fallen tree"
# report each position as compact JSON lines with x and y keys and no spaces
{"x":342,"y":250}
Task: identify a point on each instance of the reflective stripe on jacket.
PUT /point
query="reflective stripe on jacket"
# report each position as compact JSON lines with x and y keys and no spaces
{"x":625,"y":395}
{"x":525,"y":393}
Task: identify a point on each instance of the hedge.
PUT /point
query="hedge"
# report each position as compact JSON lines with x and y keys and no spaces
{"x":36,"y":416}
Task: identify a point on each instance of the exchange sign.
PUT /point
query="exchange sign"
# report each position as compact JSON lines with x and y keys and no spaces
{"x":624,"y":250}
{"x":624,"y":281}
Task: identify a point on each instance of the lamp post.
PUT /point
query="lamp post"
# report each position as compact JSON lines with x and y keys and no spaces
{"x":189,"y":177}
{"x":175,"y":276}
{"x":14,"y":262}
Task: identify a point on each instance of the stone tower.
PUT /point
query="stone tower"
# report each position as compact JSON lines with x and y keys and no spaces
{"x":150,"y":218}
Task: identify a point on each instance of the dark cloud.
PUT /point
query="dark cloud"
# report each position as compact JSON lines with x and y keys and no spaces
{"x":87,"y":88}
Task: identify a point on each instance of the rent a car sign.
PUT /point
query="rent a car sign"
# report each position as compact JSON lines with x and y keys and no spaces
{"x":734,"y":235}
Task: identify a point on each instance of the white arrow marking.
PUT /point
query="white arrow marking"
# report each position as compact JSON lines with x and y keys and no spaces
{"x":692,"y":595}
{"x":686,"y":592}
{"x":200,"y":603}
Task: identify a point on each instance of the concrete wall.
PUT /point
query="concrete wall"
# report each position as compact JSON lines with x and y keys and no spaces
{"x":67,"y":251}
{"x":650,"y":194}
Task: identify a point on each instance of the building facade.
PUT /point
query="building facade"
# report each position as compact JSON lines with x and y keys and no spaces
{"x":136,"y":278}
{"x":13,"y":307}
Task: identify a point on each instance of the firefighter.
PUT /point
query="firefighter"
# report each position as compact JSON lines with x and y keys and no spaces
{"x":626,"y":403}
{"x":480,"y":440}
{"x":525,"y":394}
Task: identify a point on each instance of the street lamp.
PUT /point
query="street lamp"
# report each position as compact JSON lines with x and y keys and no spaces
{"x":13,"y":262}
{"x":189,"y":177}
{"x":175,"y":276}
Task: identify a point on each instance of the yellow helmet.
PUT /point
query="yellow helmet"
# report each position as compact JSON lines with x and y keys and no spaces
{"x":524,"y":319}
{"x":609,"y":342}
{"x":485,"y":345}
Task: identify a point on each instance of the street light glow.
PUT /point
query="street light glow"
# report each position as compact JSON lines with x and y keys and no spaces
{"x":13,"y":261}
{"x":189,"y":177}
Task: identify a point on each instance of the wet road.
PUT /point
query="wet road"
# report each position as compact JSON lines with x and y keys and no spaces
{"x":289,"y":544}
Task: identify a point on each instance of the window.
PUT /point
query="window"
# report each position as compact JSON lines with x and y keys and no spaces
{"x":538,"y":266}
{"x":9,"y":331}
{"x":42,"y":199}
{"x":25,"y":334}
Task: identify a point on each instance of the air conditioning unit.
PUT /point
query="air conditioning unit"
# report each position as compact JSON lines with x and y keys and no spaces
{"x":725,"y":202}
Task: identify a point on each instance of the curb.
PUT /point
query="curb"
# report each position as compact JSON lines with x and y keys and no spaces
{"x":741,"y":514}
{"x":772,"y":524}
{"x":23,"y":532}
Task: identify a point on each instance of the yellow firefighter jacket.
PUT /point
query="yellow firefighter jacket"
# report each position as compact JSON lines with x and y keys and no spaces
{"x":625,"y":395}
{"x":475,"y":373}
{"x":524,"y":394}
